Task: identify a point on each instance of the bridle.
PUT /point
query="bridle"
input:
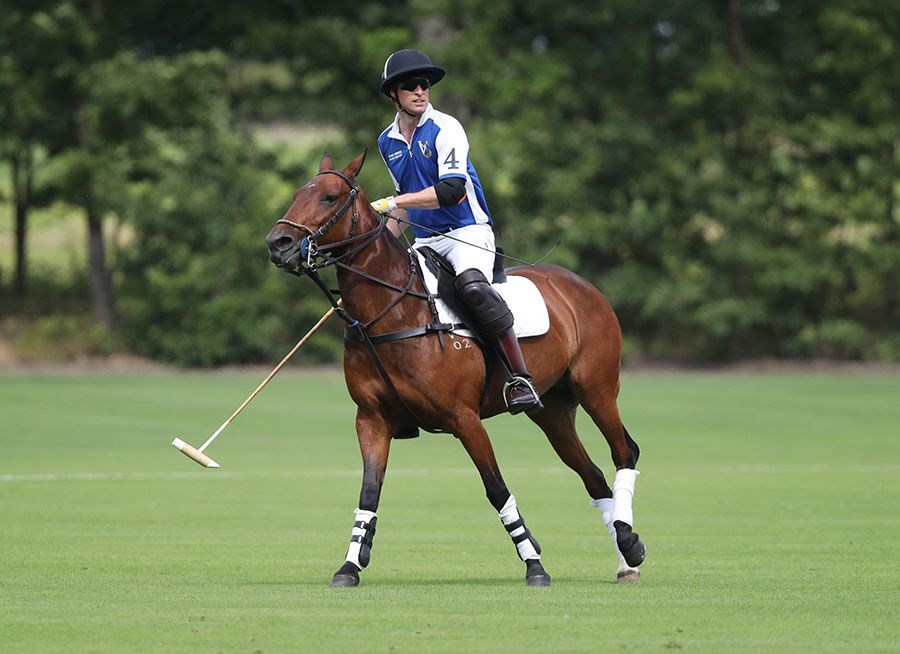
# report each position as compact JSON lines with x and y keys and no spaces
{"x":314,"y":250}
{"x":319,"y":257}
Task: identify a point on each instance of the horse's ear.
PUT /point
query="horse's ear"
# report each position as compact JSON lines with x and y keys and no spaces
{"x":352,"y":170}
{"x":327,"y":162}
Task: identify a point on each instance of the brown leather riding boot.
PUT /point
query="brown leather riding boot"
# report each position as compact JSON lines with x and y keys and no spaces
{"x":519,"y":392}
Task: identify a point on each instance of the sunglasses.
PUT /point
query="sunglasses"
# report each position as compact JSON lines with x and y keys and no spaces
{"x":413,"y":83}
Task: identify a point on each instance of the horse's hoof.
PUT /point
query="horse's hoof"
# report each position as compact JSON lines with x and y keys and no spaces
{"x":535,"y":575}
{"x":628,"y":576}
{"x":345,"y":581}
{"x":636,"y":555}
{"x":629,"y":544}
{"x":347,"y":576}
{"x":538,"y":580}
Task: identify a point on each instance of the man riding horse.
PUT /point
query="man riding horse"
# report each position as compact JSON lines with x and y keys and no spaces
{"x":439,"y":194}
{"x":390,"y":323}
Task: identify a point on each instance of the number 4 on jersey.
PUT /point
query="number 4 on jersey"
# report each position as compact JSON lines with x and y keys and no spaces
{"x":451,"y":162}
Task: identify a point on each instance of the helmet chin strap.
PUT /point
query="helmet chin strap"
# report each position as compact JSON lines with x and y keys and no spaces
{"x":400,"y":107}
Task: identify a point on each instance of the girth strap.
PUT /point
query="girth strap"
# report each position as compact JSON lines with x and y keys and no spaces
{"x":410,"y":333}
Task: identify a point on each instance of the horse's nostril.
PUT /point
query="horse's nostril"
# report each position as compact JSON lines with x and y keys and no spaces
{"x":279,"y":243}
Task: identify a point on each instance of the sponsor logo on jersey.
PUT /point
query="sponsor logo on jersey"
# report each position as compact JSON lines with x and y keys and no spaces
{"x":393,"y":156}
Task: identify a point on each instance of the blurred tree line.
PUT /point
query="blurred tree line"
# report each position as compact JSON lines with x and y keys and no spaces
{"x":726,"y":172}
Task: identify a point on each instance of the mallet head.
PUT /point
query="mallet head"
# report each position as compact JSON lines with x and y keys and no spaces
{"x":193,"y":453}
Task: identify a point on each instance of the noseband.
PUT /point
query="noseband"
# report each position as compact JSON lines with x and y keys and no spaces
{"x":314,"y":249}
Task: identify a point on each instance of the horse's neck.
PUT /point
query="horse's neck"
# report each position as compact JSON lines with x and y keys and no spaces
{"x":385,"y":260}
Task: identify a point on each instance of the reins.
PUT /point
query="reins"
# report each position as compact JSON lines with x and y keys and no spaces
{"x":360,"y":242}
{"x":435,"y":232}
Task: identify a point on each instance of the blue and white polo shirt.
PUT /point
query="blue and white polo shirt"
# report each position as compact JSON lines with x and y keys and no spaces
{"x":439,"y":150}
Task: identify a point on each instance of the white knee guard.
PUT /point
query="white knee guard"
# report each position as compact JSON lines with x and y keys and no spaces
{"x":526,"y":545}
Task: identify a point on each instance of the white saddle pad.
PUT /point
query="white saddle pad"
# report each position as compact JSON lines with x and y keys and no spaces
{"x":523,"y":297}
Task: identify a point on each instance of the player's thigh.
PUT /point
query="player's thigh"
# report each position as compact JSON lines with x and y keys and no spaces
{"x":474,"y":249}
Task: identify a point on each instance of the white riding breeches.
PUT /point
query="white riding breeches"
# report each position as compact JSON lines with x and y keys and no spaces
{"x":455,"y":246}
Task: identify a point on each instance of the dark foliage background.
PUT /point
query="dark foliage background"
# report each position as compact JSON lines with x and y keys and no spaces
{"x":726,"y":172}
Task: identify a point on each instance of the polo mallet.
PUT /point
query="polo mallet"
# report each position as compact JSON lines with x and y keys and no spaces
{"x":196,"y":453}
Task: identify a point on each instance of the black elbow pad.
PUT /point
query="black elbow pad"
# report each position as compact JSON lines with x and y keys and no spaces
{"x":450,"y":191}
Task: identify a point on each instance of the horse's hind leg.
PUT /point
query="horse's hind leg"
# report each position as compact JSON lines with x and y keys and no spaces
{"x":599,"y":401}
{"x":557,"y":421}
{"x":474,"y":438}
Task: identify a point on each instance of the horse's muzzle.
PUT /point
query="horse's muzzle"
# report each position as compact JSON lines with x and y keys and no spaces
{"x":281,"y":248}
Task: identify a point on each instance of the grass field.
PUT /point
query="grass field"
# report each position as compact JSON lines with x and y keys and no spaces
{"x":770,"y":505}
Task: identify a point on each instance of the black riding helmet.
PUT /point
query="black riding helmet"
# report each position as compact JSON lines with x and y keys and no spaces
{"x":408,"y":63}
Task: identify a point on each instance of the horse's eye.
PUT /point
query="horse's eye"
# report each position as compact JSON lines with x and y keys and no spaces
{"x":330,"y":199}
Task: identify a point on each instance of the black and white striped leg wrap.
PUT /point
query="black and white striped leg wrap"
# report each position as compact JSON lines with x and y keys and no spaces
{"x":526,"y":545}
{"x":361,"y":536}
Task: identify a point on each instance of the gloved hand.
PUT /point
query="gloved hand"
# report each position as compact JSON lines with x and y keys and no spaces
{"x":385,"y":205}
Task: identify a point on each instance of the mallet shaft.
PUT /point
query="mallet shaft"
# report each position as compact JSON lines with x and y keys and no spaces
{"x":197,"y":454}
{"x":265,"y":381}
{"x":213,"y":437}
{"x":269,"y":377}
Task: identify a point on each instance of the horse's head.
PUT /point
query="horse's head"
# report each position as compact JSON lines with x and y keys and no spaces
{"x":328,"y":209}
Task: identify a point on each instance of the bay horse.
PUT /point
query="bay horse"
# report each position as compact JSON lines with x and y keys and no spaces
{"x":402,"y":377}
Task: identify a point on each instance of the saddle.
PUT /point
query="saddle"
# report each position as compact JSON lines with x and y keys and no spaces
{"x":442,"y":269}
{"x":449,"y":314}
{"x":522,"y":296}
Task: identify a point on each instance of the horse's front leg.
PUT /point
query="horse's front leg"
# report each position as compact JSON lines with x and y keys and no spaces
{"x":475,"y":439}
{"x":374,"y":443}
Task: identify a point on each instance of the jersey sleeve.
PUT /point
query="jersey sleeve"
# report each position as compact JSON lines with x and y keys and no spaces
{"x":452,"y":150}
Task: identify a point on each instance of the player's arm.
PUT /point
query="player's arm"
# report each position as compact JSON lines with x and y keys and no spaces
{"x":452,"y":149}
{"x":446,"y":193}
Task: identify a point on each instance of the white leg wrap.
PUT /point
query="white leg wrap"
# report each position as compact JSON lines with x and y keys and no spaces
{"x":510,"y":512}
{"x":361,"y":531}
{"x":606,"y":507}
{"x":623,"y":493}
{"x":526,"y":547}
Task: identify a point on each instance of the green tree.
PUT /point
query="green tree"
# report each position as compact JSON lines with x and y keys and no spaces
{"x":726,"y":173}
{"x":35,"y":90}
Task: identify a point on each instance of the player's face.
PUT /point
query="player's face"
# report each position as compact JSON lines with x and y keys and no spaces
{"x":413,"y":95}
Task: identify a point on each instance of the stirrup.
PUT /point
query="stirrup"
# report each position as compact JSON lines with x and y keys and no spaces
{"x":529,"y":405}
